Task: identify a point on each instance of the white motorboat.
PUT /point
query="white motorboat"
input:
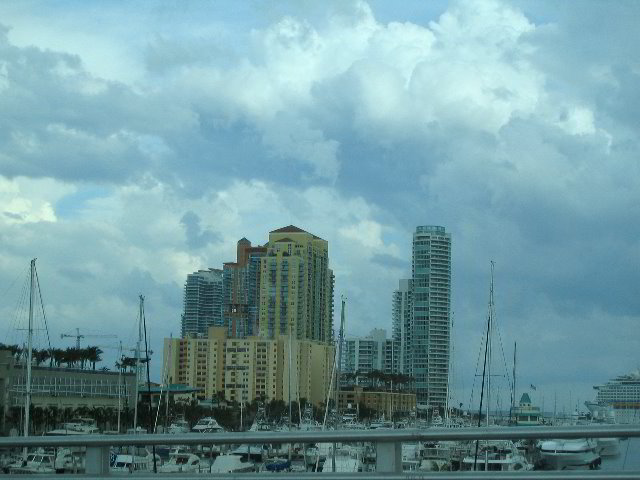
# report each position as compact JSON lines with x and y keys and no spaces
{"x":79,"y":426}
{"x":135,"y":459}
{"x":70,"y":460}
{"x":231,"y":464}
{"x":184,"y":462}
{"x":208,"y":425}
{"x":179,"y":426}
{"x":497,"y":456}
{"x":39,"y":462}
{"x":569,"y":454}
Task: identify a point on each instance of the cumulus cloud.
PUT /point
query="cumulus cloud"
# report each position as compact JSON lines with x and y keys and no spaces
{"x":128,"y":160}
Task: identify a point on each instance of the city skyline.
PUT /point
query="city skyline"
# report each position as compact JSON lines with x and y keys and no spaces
{"x":141,"y":141}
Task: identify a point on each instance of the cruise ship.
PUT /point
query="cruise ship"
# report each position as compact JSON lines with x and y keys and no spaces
{"x":621,"y":396}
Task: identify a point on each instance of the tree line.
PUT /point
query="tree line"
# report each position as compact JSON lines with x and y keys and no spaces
{"x":71,"y":357}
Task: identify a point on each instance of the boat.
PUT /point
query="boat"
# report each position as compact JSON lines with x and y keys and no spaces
{"x":134,"y":459}
{"x":208,"y":425}
{"x":277,"y":465}
{"x":184,"y":462}
{"x":230,"y":463}
{"x":497,"y":456}
{"x":307,"y":421}
{"x":38,"y":462}
{"x":260,"y":422}
{"x":251,"y":452}
{"x":79,"y":426}
{"x":622,"y":394}
{"x":70,"y":460}
{"x":179,"y":426}
{"x":569,"y":454}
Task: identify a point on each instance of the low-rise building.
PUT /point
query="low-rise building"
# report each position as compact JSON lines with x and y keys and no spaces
{"x":62,"y":388}
{"x":526,"y":414}
{"x":380,"y":401}
{"x":250,"y":368}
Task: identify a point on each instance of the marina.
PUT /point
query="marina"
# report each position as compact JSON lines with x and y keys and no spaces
{"x":385,"y":460}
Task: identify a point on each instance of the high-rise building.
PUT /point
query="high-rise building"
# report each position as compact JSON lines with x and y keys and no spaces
{"x":401,"y":313}
{"x":202,"y":302}
{"x":241,"y":290}
{"x":296,"y":286}
{"x":364,"y":354}
{"x":428,"y":345}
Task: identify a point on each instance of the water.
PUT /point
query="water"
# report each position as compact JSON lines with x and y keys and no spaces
{"x":629,"y":458}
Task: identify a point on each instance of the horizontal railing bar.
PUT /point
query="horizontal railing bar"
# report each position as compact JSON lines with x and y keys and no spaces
{"x":345,"y":436}
{"x":520,"y":475}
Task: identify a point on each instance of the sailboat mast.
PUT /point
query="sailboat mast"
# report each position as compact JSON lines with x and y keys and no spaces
{"x":489,"y":344}
{"x":289,"y":382}
{"x":120,"y":385}
{"x":513,"y":393}
{"x":135,"y":409}
{"x":27,"y":401}
{"x":338,"y":369}
{"x":168,"y":381}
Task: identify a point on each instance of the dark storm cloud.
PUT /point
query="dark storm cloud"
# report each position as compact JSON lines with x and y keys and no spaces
{"x":196,"y":236}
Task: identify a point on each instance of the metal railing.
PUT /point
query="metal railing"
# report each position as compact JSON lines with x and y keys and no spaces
{"x":388,"y":449}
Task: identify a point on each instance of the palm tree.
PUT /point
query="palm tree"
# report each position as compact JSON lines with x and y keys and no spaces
{"x":93,"y":355}
{"x":57,"y":357}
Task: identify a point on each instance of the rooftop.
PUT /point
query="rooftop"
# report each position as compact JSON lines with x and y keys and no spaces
{"x":293,"y":229}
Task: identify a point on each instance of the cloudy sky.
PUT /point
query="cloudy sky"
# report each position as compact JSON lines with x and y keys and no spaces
{"x":140,"y":140}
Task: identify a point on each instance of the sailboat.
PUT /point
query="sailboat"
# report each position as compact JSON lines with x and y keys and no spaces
{"x":138,"y":458}
{"x":497,"y":455}
{"x":29,"y":460}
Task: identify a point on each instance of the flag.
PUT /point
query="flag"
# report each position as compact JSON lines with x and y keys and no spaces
{"x":533,"y":387}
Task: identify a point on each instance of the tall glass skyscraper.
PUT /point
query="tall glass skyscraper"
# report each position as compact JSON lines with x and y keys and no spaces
{"x":427,"y":349}
{"x":202,"y":302}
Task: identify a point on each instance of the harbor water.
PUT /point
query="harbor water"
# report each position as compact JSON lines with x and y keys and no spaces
{"x":628,"y":459}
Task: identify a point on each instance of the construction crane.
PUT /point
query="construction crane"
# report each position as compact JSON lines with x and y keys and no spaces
{"x":77,"y":336}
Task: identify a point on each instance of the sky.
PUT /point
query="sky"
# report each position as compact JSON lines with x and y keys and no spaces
{"x":140,"y":140}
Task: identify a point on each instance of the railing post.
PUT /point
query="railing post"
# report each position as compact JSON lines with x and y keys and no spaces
{"x":97,"y":461}
{"x":389,"y":457}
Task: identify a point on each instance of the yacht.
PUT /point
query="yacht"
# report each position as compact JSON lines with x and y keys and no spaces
{"x":134,"y":459}
{"x":38,"y":462}
{"x":497,"y":456}
{"x":569,"y":454}
{"x":179,"y":426}
{"x":70,"y":460}
{"x":78,"y":426}
{"x":184,"y":462}
{"x":208,"y":425}
{"x":231,"y":464}
{"x":307,"y":421}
